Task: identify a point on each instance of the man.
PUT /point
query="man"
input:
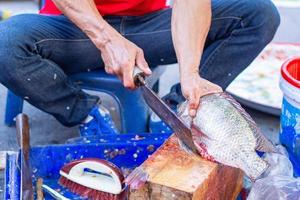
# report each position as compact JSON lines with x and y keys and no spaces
{"x":212,"y":40}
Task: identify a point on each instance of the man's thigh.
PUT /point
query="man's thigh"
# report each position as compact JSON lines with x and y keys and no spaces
{"x":153,"y":32}
{"x":54,"y":38}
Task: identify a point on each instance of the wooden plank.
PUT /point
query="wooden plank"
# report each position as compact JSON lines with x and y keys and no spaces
{"x":174,"y":174}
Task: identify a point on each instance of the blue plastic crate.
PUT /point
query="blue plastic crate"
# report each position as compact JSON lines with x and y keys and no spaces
{"x":126,"y":151}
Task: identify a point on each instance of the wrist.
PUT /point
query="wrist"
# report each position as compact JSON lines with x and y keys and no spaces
{"x":186,"y":73}
{"x":101,"y":35}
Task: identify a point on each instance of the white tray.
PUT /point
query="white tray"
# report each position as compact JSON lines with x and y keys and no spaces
{"x":258,"y":86}
{"x":287,"y":3}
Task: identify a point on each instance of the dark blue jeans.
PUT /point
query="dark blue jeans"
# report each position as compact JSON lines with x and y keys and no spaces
{"x":38,"y":53}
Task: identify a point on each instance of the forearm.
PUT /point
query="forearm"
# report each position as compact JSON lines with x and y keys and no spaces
{"x":191,"y":21}
{"x":85,"y":15}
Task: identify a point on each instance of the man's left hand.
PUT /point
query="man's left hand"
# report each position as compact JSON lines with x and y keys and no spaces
{"x":194,"y":87}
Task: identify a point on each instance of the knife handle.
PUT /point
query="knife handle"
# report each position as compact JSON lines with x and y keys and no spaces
{"x":23,"y":137}
{"x":139,"y":77}
{"x":23,"y":134}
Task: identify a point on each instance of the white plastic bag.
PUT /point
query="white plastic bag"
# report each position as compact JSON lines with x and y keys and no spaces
{"x":277,"y":183}
{"x":275,"y":188}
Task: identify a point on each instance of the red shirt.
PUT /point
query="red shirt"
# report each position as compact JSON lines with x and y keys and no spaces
{"x":116,"y":7}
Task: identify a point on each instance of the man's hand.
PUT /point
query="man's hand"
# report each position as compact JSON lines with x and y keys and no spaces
{"x":120,"y":57}
{"x":194,"y":87}
{"x":191,"y":21}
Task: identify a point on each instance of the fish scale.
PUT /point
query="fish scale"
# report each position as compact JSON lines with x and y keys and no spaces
{"x":232,"y":134}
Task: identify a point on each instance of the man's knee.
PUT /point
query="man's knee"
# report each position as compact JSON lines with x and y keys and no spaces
{"x":18,"y":30}
{"x":265,"y":17}
{"x":13,"y":39}
{"x":6,"y":41}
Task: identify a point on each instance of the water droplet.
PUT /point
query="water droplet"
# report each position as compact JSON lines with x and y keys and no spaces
{"x":106,"y":151}
{"x":28,"y":79}
{"x":26,"y":97}
{"x":55,"y":76}
{"x":162,"y":60}
{"x":88,"y":70}
{"x":68,"y":108}
{"x":229,"y":74}
{"x":135,"y":155}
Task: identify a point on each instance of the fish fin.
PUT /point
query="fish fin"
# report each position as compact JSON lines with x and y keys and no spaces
{"x":262,"y":143}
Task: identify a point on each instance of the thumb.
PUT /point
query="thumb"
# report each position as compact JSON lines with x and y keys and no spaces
{"x":142,"y":64}
{"x":193,"y":105}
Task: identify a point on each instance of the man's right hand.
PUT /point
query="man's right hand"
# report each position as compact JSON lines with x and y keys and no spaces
{"x":121,"y":56}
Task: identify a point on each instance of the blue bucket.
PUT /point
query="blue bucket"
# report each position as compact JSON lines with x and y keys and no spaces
{"x":290,"y":116}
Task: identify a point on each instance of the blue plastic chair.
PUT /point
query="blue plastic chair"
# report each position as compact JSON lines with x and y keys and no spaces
{"x":133,"y":110}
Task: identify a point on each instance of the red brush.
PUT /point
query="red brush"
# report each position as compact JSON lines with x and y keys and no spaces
{"x":94,"y":179}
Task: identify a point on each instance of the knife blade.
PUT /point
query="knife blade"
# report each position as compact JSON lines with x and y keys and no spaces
{"x":181,"y":130}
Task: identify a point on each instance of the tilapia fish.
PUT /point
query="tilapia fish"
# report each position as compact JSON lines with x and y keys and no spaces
{"x":225,"y":133}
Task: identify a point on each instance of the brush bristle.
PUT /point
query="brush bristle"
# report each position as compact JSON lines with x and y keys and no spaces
{"x":89,"y":193}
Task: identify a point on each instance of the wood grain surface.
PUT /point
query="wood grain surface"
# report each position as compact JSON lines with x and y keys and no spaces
{"x":174,"y":174}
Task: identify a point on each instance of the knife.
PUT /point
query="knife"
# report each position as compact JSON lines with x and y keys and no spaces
{"x":182,"y":131}
{"x":23,"y":137}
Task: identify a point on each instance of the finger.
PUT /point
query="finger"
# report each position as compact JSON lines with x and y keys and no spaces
{"x":108,"y":70}
{"x":118,"y":72}
{"x":193,"y":105}
{"x":141,"y":63}
{"x":128,"y":81}
{"x":192,"y":113}
{"x":218,"y":89}
{"x":211,"y":88}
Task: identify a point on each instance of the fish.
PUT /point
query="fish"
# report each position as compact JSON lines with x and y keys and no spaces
{"x":231,"y":135}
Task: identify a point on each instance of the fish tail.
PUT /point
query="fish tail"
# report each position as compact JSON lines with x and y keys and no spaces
{"x":254,"y":166}
{"x":262,"y":143}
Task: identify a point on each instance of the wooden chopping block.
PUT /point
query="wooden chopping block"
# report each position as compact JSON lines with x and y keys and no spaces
{"x":176,"y":175}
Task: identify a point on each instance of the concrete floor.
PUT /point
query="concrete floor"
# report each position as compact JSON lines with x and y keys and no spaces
{"x":46,"y":130}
